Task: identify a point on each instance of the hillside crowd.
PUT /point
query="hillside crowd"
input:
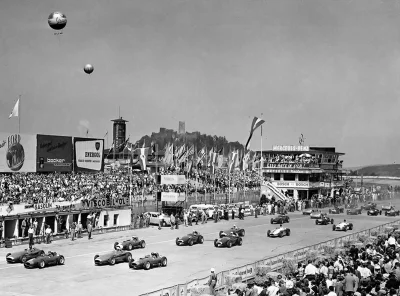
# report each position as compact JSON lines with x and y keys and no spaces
{"x":36,"y":188}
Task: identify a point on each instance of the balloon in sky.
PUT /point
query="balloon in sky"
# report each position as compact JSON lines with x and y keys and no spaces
{"x":57,"y":20}
{"x":88,"y":69}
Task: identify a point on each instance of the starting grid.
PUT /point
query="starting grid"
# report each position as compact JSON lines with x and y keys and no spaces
{"x":248,"y":272}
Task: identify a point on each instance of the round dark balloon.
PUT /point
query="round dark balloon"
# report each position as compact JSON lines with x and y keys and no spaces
{"x":88,"y":69}
{"x":57,"y":20}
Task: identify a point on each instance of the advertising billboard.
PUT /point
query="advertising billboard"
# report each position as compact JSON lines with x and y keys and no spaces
{"x":53,"y":153}
{"x":17,"y":153}
{"x":88,"y":154}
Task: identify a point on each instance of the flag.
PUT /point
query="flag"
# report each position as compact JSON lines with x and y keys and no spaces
{"x":254,"y":125}
{"x":143,"y":153}
{"x":246,"y":159}
{"x":232,"y":160}
{"x":153,"y":148}
{"x":237,"y":160}
{"x":181,"y":127}
{"x":15,"y":110}
{"x":200,"y":155}
{"x":220,"y":157}
{"x":105,"y":134}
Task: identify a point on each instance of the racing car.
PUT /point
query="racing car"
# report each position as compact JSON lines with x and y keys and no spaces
{"x":369,"y":206}
{"x":148,"y":261}
{"x":387,"y":208}
{"x":354,"y":211}
{"x":392,"y":213}
{"x":23,"y":256}
{"x":234,"y":229}
{"x":343,"y":226}
{"x":130,"y":244}
{"x":336,"y":210}
{"x":374,"y":212}
{"x":228,"y":241}
{"x":316,"y":215}
{"x":280,"y":219}
{"x":279,"y":232}
{"x":309,"y":211}
{"x":324,"y":220}
{"x":52,"y":258}
{"x":190,"y":239}
{"x":112,"y":257}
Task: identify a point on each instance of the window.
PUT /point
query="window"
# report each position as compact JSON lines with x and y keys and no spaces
{"x":303,"y":177}
{"x":289,"y":177}
{"x":277,"y":177}
{"x":290,"y":192}
{"x":116,"y":219}
{"x":105,"y":221}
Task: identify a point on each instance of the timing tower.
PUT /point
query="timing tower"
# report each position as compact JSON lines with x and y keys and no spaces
{"x":119,"y":131}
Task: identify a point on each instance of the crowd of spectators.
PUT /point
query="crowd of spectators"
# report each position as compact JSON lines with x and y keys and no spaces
{"x":36,"y":188}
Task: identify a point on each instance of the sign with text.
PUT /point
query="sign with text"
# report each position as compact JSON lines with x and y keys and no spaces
{"x":104,"y":202}
{"x":17,"y":153}
{"x":300,"y":184}
{"x":173,"y":180}
{"x":53,"y":153}
{"x":88,"y":154}
{"x":290,"y":148}
{"x":173,"y":196}
{"x":290,"y":171}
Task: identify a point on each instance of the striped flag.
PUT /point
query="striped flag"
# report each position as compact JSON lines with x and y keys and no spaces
{"x":201,"y":154}
{"x":246,"y":159}
{"x":232,"y":161}
{"x":257,"y":122}
{"x":143,"y":153}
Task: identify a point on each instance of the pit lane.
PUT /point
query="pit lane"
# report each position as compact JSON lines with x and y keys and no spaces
{"x":79,"y":276}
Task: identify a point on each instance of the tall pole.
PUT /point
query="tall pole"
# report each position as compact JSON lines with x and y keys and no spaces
{"x":19,"y":114}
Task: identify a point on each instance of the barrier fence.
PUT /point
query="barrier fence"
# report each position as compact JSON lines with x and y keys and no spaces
{"x":275,"y":263}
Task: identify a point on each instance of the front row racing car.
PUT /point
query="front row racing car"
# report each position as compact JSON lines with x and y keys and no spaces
{"x":374,"y":212}
{"x":234,"y":229}
{"x":24,"y":255}
{"x":112,"y":257}
{"x":392,"y":213}
{"x":52,"y":258}
{"x":324,"y":220}
{"x":228,"y":241}
{"x":190,"y":239}
{"x":336,"y":210}
{"x":279,"y":232}
{"x":148,"y":261}
{"x":343,"y":226}
{"x":130,"y":244}
{"x":280,"y":219}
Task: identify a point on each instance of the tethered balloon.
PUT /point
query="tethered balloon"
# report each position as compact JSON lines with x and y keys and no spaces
{"x":57,"y":21}
{"x":88,"y":69}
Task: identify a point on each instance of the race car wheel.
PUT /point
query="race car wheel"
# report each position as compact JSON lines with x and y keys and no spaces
{"x":164,"y":224}
{"x":111,"y":261}
{"x":201,"y":239}
{"x":42,"y":264}
{"x":385,"y":213}
{"x":268,"y":233}
{"x":330,"y":211}
{"x":345,"y":229}
{"x":42,"y":253}
{"x":164,"y":262}
{"x":331,"y":221}
{"x":272,"y":221}
{"x":367,"y":213}
{"x":176,"y":241}
{"x":240,"y":242}
{"x":24,"y":259}
{"x":280,"y":234}
{"x":242,"y":233}
{"x":116,"y":245}
{"x":190,"y":242}
{"x":288,"y":220}
{"x":351,"y":227}
{"x":61,"y":260}
{"x":147,"y":265}
{"x":229,"y":244}
{"x":288,"y":232}
{"x":142,"y":244}
{"x":128,"y":257}
{"x":130,"y":247}
{"x":220,"y":233}
{"x":316,"y":222}
{"x":215,"y":243}
{"x":333,"y":227}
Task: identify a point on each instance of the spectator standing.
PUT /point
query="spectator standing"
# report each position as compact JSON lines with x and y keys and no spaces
{"x":72,"y":229}
{"x":185,"y":218}
{"x":80,"y":229}
{"x":23,"y":227}
{"x":31,"y":232}
{"x":1,"y":230}
{"x":160,"y":220}
{"x":350,"y":283}
{"x":89,"y":230}
{"x":310,"y":271}
{"x":212,"y":281}
{"x":48,"y":234}
{"x":172,"y":219}
{"x":35,"y":226}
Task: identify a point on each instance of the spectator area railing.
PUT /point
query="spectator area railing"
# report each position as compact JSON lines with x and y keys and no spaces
{"x":248,"y":271}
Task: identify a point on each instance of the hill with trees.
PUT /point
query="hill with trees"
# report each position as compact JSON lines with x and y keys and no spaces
{"x":386,"y":170}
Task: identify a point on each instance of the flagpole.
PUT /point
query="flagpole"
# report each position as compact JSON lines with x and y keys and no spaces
{"x":19,"y":115}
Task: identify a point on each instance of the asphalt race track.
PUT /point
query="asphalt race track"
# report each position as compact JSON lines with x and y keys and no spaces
{"x":79,"y":276}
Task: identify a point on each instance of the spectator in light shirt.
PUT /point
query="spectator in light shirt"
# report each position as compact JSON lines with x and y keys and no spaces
{"x":323,"y":269}
{"x":310,"y":271}
{"x":332,"y":291}
{"x":272,"y":289}
{"x":391,"y":241}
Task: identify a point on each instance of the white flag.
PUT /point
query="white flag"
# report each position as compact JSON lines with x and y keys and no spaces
{"x":15,"y":110}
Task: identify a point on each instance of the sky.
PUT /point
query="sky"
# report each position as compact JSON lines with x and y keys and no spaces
{"x":329,"y":70}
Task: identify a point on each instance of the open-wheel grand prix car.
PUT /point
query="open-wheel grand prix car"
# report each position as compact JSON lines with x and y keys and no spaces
{"x":115,"y":256}
{"x":279,"y":232}
{"x":52,"y":258}
{"x":387,"y":208}
{"x":130,"y":244}
{"x":324,"y":220}
{"x":309,"y":211}
{"x":234,"y":229}
{"x":374,"y":212}
{"x":316,"y":215}
{"x":280,"y":219}
{"x":392,"y":213}
{"x":354,"y":211}
{"x":343,"y":226}
{"x":369,"y":206}
{"x":228,"y":241}
{"x":190,"y":239}
{"x":148,"y":261}
{"x":23,"y":256}
{"x":336,"y":210}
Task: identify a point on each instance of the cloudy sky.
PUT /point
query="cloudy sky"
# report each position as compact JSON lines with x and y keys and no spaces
{"x":327,"y":69}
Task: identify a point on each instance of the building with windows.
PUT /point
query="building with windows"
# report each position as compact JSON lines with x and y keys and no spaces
{"x":302,"y":171}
